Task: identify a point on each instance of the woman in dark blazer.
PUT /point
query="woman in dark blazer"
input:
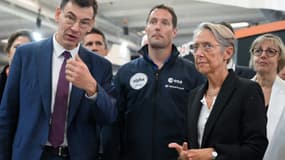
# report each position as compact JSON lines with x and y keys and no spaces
{"x":226,"y":116}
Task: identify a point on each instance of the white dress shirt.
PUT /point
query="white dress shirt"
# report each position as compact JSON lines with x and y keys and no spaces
{"x":203,"y":117}
{"x":57,"y":60}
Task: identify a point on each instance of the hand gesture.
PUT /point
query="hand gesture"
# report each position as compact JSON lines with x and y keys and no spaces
{"x":78,"y":74}
{"x":181,"y":150}
{"x":191,"y":154}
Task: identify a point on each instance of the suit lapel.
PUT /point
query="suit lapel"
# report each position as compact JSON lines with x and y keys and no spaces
{"x":222,"y":99}
{"x":194,"y":108}
{"x":76,"y":94}
{"x":44,"y":57}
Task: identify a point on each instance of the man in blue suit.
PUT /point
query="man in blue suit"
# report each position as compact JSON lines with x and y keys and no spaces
{"x":29,"y":108}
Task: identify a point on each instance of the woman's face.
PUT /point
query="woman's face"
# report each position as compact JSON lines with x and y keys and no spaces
{"x":18,"y":41}
{"x":266,"y":63}
{"x":208,"y":54}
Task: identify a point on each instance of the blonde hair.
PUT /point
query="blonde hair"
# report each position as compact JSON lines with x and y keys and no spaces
{"x":281,"y":65}
{"x":224,"y":36}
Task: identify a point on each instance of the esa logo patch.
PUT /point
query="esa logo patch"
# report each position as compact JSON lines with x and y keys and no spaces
{"x":172,"y":81}
{"x":138,"y":81}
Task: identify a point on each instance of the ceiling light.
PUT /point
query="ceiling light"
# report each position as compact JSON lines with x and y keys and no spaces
{"x":4,"y":41}
{"x":240,"y":25}
{"x":37,"y":36}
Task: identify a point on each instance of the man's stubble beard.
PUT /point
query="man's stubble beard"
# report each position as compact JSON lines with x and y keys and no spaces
{"x":158,"y":45}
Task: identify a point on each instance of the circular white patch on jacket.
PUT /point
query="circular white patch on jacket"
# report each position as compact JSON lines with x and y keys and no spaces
{"x":138,"y":81}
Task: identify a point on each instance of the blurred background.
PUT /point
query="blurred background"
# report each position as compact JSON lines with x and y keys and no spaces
{"x":123,"y":21}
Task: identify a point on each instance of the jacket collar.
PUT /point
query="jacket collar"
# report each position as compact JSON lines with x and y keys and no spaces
{"x":227,"y":89}
{"x":44,"y":61}
{"x":170,"y":60}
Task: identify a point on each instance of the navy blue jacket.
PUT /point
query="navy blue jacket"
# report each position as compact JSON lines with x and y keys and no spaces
{"x":152,"y":105}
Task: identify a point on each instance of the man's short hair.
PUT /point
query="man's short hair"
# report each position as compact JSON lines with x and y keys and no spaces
{"x":82,"y":3}
{"x":97,"y":31}
{"x":169,"y":9}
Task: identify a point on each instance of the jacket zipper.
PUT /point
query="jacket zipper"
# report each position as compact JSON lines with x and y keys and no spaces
{"x":154,"y":113}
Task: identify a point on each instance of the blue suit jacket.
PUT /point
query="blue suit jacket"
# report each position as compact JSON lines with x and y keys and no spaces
{"x":26,"y":105}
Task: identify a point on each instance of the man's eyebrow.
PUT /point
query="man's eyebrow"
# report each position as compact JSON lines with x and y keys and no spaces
{"x":89,"y":43}
{"x":73,"y":14}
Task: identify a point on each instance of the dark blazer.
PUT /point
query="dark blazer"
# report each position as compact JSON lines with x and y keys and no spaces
{"x":244,"y":72}
{"x":236,"y":126}
{"x":26,"y":105}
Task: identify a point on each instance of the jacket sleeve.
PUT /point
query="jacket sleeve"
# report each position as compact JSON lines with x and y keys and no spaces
{"x":9,"y":109}
{"x":105,"y":109}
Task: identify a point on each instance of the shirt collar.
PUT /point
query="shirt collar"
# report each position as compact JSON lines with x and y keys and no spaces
{"x":144,"y":51}
{"x":58,"y":49}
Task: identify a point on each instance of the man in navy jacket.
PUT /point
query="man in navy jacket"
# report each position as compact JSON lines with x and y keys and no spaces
{"x":153,"y":91}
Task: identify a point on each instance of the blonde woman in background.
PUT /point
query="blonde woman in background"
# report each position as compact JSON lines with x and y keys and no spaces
{"x":267,"y":53}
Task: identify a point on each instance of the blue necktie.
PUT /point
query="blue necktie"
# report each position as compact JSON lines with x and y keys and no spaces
{"x":56,"y":133}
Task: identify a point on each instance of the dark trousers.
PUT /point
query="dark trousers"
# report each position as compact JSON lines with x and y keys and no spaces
{"x":109,"y":143}
{"x":47,"y":155}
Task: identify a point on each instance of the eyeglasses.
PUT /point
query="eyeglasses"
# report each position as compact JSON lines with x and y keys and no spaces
{"x":72,"y":19}
{"x":205,"y":46}
{"x":270,"y":52}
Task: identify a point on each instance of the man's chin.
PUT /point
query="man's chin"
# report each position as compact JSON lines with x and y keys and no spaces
{"x":157,"y":45}
{"x":70,"y":45}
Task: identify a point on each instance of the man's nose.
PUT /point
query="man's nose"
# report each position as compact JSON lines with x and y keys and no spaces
{"x":158,"y":26}
{"x":76,"y":26}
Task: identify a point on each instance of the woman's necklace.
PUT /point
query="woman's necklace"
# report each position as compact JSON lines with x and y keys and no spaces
{"x":214,"y":93}
{"x":211,"y":94}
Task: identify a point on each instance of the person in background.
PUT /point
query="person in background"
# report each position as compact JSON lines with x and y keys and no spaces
{"x":189,"y":56}
{"x":108,"y":149}
{"x":15,"y":40}
{"x":241,"y":71}
{"x":267,"y":52}
{"x":57,"y":93}
{"x":226,"y":117}
{"x":152,"y":92}
{"x":281,"y":70}
{"x":95,"y":41}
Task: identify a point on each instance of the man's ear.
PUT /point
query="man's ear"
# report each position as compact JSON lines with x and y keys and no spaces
{"x":174,"y":32}
{"x":57,"y":14}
